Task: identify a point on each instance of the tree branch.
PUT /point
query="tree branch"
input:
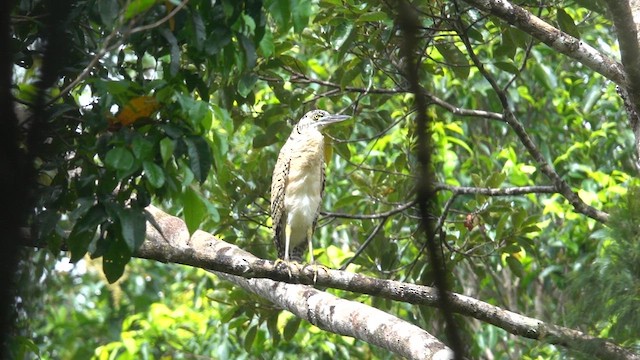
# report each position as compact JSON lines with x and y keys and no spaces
{"x":546,"y":168}
{"x":304,"y":79}
{"x":627,"y":31}
{"x":554,"y":38}
{"x":161,"y":21}
{"x":323,"y":310}
{"x":508,"y":191}
{"x":203,"y":250}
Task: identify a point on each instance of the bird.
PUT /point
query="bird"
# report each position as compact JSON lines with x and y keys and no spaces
{"x":297,"y":185}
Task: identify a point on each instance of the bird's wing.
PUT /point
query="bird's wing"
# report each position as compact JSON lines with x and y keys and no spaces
{"x":322,"y":181}
{"x":278,"y":186}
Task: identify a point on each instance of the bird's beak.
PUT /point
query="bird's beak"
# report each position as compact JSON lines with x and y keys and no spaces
{"x":331,"y":119}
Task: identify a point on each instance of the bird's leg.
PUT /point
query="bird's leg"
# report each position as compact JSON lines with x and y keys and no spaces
{"x":286,"y":260}
{"x":309,"y":236}
{"x":287,"y":242}
{"x":313,"y":262}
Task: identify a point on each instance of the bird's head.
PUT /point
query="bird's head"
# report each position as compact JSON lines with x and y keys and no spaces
{"x":318,"y":120}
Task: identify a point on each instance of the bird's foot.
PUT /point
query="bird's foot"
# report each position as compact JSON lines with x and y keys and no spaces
{"x":315,"y":268}
{"x":288,"y":264}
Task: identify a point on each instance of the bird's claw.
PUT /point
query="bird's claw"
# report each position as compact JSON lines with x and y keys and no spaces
{"x":288,"y":265}
{"x":315,"y":270}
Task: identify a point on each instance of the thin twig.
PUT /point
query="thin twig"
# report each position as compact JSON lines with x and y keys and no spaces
{"x":382,"y":215}
{"x":161,"y":21}
{"x":365,"y":243}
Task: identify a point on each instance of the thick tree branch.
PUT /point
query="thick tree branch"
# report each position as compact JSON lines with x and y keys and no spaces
{"x":554,"y":38}
{"x":205,"y":251}
{"x":351,"y":318}
{"x":627,"y":31}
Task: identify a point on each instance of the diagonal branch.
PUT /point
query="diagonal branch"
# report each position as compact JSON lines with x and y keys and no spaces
{"x":205,"y":251}
{"x":623,"y":16}
{"x":554,"y":38}
{"x":546,"y":168}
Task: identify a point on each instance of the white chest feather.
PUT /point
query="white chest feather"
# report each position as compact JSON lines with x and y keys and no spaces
{"x":304,"y":187}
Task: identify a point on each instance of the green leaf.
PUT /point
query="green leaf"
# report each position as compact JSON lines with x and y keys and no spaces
{"x":291,"y":328}
{"x":518,"y":37}
{"x":345,"y":201}
{"x":194,"y":209}
{"x":496,"y":179}
{"x":154,"y":174}
{"x":246,"y":84}
{"x":249,"y":338}
{"x":249,"y":52}
{"x":119,"y":159}
{"x":142,"y":148}
{"x":272,"y":326}
{"x":511,"y":248}
{"x":508,"y":67}
{"x":515,"y":265}
{"x":174,"y":65}
{"x":280,"y":10}
{"x":199,"y":28}
{"x":300,"y":11}
{"x":200,"y":157}
{"x":373,"y":16}
{"x":455,"y":59}
{"x":46,"y":223}
{"x":133,"y":225}
{"x":167,"y":146}
{"x":214,"y":215}
{"x":502,"y":223}
{"x":266,"y":45}
{"x":566,"y":24}
{"x":545,"y":76}
{"x":84,"y":230}
{"x":262,"y":140}
{"x":108,"y":10}
{"x":593,"y":5}
{"x":115,"y":259}
{"x":518,"y":218}
{"x":137,"y":7}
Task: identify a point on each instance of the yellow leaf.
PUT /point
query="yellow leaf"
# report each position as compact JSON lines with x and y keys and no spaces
{"x":137,"y":108}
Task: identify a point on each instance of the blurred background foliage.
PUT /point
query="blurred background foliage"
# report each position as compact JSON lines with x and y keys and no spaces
{"x":185,"y":105}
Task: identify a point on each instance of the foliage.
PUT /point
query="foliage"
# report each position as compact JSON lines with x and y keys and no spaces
{"x":613,"y":278}
{"x":189,"y":113}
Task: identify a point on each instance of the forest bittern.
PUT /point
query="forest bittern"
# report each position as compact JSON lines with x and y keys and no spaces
{"x":297,"y":185}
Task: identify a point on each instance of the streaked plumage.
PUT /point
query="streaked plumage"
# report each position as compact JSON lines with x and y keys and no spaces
{"x":297,"y":185}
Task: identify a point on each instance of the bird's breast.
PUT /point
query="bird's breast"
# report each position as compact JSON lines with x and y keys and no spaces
{"x":306,"y":168}
{"x":303,"y":192}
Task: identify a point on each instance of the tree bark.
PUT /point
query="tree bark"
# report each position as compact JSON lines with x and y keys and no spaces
{"x":626,"y":18}
{"x":173,"y":244}
{"x":169,"y":241}
{"x":553,"y":37}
